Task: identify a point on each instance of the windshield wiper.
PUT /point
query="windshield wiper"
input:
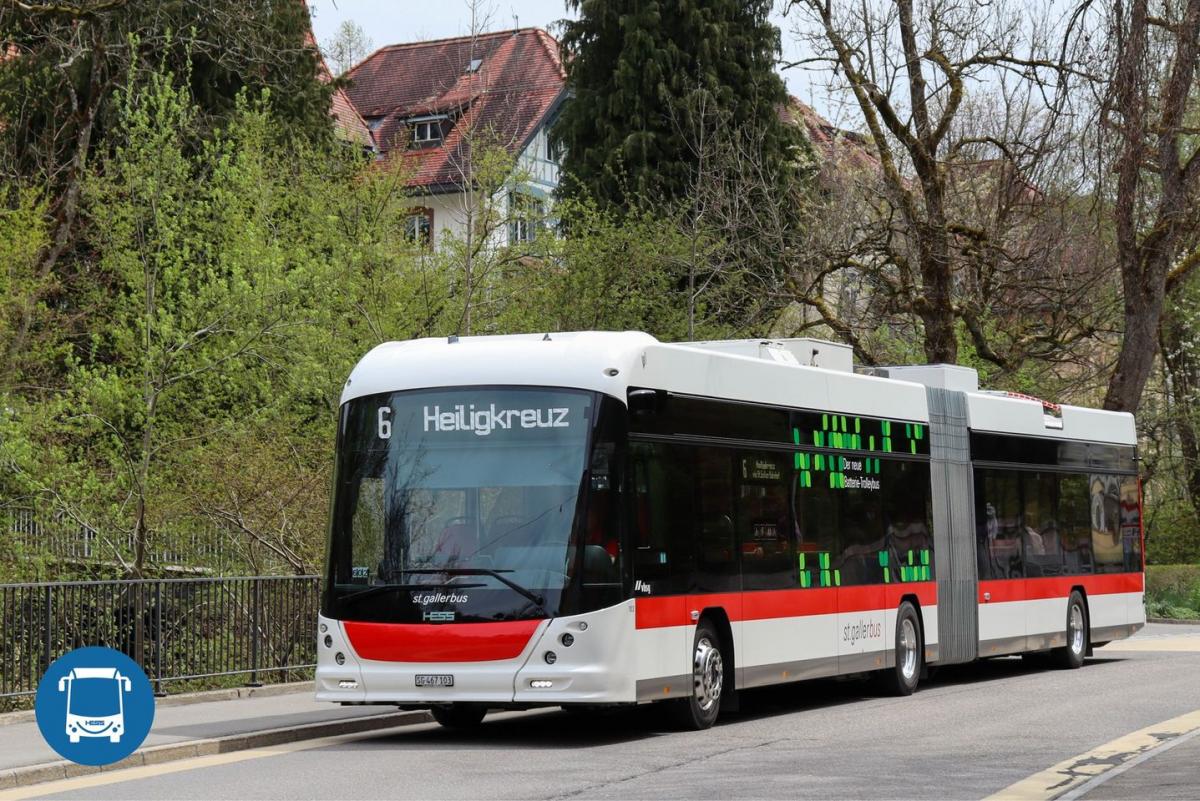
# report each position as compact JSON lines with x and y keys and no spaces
{"x":378,"y":588}
{"x":482,"y":571}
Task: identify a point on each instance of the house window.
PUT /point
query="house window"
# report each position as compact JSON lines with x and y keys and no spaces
{"x":553,"y":147}
{"x":427,"y":132}
{"x":526,"y":213}
{"x":418,"y":227}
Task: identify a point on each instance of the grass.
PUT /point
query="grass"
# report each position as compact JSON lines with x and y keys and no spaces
{"x":1173,"y":591}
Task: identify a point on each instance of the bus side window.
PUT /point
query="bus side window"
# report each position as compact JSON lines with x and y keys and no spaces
{"x":1131,"y":522}
{"x":717,"y":567}
{"x":766,"y":530}
{"x":661,"y":511}
{"x":1047,"y":532}
{"x":998,"y":524}
{"x":1075,"y":523}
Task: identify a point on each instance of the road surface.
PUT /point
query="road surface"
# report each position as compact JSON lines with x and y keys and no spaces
{"x":970,"y":732}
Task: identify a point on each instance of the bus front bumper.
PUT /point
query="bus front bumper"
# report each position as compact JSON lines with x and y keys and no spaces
{"x":596,"y":668}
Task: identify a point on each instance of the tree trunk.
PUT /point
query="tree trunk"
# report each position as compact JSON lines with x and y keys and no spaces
{"x":68,"y":208}
{"x":937,"y":298}
{"x":1143,"y":291}
{"x":1183,"y":368}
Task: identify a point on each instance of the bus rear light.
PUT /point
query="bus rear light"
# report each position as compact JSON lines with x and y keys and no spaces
{"x":347,"y":684}
{"x":551,"y":657}
{"x":328,"y":640}
{"x":340,"y":658}
{"x":567,"y":640}
{"x":541,"y":684}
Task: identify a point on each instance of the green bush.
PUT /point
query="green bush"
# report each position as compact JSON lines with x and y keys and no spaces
{"x":1173,"y":591}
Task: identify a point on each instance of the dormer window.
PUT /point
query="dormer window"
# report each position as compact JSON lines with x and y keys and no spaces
{"x":473,"y":65}
{"x":428,"y":131}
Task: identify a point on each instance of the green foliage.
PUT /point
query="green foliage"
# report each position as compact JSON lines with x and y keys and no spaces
{"x":1172,"y":531}
{"x":612,"y":273}
{"x":232,"y":283}
{"x":1173,"y":591}
{"x":63,"y":69}
{"x":639,"y":71}
{"x":235,"y":280}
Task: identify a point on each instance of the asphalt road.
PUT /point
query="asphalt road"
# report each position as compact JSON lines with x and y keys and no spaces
{"x":968,"y":733}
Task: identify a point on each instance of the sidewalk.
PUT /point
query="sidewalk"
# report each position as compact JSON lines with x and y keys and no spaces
{"x":263,"y":718}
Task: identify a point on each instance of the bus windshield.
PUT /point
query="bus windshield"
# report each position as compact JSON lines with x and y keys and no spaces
{"x":457,"y":505}
{"x":95,"y":698}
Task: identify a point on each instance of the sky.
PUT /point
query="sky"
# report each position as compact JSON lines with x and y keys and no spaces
{"x":394,"y":21}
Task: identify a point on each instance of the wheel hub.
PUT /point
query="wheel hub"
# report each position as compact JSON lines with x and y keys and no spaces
{"x":1076,"y":629}
{"x":908,"y":649}
{"x":708,"y":674}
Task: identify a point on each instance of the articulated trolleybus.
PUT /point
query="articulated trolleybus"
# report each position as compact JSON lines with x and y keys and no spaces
{"x":589,"y":519}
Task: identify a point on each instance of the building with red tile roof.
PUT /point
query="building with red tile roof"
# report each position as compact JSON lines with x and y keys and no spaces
{"x":432,"y":105}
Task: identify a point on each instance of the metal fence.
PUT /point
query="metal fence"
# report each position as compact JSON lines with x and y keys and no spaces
{"x":198,"y":549}
{"x":176,"y":629}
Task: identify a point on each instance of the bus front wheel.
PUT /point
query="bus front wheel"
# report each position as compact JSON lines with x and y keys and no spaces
{"x":459,"y":716}
{"x":702,"y":706}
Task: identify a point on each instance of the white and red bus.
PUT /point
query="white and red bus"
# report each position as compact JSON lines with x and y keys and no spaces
{"x":597,"y":518}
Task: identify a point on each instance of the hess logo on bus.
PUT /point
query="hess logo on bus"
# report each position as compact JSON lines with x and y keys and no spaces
{"x":481,"y":422}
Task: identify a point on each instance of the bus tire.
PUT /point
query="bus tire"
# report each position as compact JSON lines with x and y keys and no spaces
{"x":459,"y":716}
{"x":1071,"y":655}
{"x":702,"y":706}
{"x":903,"y":677}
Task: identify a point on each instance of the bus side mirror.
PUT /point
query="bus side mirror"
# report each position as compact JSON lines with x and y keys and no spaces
{"x":62,"y":684}
{"x":126,"y":684}
{"x":645,"y":401}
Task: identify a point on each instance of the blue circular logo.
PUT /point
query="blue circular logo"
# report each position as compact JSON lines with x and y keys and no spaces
{"x":94,"y":706}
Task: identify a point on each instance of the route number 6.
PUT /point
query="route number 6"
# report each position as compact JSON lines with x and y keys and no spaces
{"x":385,"y":425}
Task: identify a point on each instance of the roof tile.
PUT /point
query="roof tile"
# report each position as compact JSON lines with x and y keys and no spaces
{"x":518,"y":80}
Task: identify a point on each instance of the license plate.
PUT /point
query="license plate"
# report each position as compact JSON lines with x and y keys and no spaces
{"x":435,"y":680}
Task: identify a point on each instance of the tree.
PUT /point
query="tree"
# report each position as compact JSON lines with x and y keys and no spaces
{"x":62,"y":63}
{"x":634,"y":67}
{"x":348,"y":46}
{"x":1155,"y":166}
{"x":966,"y":190}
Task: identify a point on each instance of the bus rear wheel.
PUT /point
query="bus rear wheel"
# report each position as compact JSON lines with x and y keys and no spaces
{"x":902,"y":679}
{"x":459,"y":716}
{"x":1071,"y":655}
{"x":702,"y":706}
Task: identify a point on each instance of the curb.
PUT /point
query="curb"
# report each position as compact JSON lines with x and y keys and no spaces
{"x":199,"y":697}
{"x":171,"y":752}
{"x":1176,"y":621}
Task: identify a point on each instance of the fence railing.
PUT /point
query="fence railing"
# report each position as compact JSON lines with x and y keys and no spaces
{"x":48,"y":532}
{"x":176,"y":629}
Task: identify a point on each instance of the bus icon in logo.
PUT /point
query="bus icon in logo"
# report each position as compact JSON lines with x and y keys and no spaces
{"x":94,"y":706}
{"x":95,"y":702}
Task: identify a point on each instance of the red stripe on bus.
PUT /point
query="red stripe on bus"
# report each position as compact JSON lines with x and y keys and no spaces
{"x":675,"y":610}
{"x":1034,"y":589}
{"x":451,"y":642}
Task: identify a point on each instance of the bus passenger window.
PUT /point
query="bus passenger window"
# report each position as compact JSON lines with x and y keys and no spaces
{"x":998,"y":524}
{"x":1075,"y":523}
{"x":1043,"y":530}
{"x":661,"y":516}
{"x":716,"y":554}
{"x":817,"y":511}
{"x":1131,"y":523}
{"x":765,"y":526}
{"x":1109,"y":544}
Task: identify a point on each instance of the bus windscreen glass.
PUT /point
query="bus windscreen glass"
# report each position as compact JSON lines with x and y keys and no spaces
{"x":457,"y":505}
{"x":95,"y":698}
